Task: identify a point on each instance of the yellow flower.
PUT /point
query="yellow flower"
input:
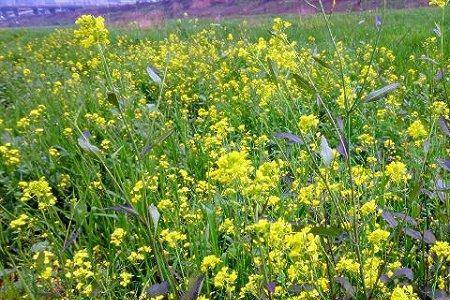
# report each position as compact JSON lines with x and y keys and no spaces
{"x":225,"y":279}
{"x":125,"y":278}
{"x":308,"y":123}
{"x":442,"y":250}
{"x":231,"y":167}
{"x":439,"y":108}
{"x":417,"y":130}
{"x":209,"y":262}
{"x":439,"y":3}
{"x":348,"y":264}
{"x":19,"y":222}
{"x":172,"y":237}
{"x":91,"y":31}
{"x":397,"y":172}
{"x":368,"y":208}
{"x":26,"y":72}
{"x":404,"y":293}
{"x":10,"y":156}
{"x":117,"y":236}
{"x":39,"y":190}
{"x":378,"y":236}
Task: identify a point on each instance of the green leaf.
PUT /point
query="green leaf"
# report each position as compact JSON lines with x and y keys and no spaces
{"x":39,"y":247}
{"x":112,"y":98}
{"x":302,"y":82}
{"x":326,"y":231}
{"x":322,"y":62}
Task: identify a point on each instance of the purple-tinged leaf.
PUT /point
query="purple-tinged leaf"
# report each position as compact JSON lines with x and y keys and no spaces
{"x":444,"y":164}
{"x":71,"y":238}
{"x":440,"y":188}
{"x":384,"y":278}
{"x":378,"y":94}
{"x":342,"y":148}
{"x":426,"y":146}
{"x":427,"y":193}
{"x":428,"y":237}
{"x":158,"y":289}
{"x":194,"y":289}
{"x":405,"y":218}
{"x":83,"y":142}
{"x":440,"y":75}
{"x":413,"y":233}
{"x":443,"y":124}
{"x":124,"y":208}
{"x":434,"y":294}
{"x":378,"y":22}
{"x":404,"y":272}
{"x":389,"y":218}
{"x":295,"y":139}
{"x":271,"y":287}
{"x":340,"y":123}
{"x":347,"y":286}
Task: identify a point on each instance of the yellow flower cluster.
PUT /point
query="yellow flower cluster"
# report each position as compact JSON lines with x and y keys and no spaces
{"x":404,"y":293}
{"x":19,"y":222}
{"x":226,"y":279}
{"x":80,"y":269}
{"x":172,"y":238}
{"x":10,"y":156}
{"x":417,"y":130}
{"x":45,"y":263}
{"x":232,"y":167}
{"x":209,"y":262}
{"x":39,"y":190}
{"x":125,"y":278}
{"x":397,"y":172}
{"x":91,"y":31}
{"x":117,"y":236}
{"x":439,"y":3}
{"x":441,"y":250}
{"x":308,"y":123}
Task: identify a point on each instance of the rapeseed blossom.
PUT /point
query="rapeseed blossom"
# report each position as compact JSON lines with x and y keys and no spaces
{"x":439,"y":3}
{"x":417,"y":130}
{"x":91,"y":31}
{"x":232,"y":167}
{"x":308,"y":123}
{"x":397,"y":172}
{"x":117,"y":236}
{"x":39,"y":190}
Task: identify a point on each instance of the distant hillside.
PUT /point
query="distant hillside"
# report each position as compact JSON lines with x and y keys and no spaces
{"x":144,"y":13}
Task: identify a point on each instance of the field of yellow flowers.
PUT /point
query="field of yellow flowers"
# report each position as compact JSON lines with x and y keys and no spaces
{"x":211,"y":165}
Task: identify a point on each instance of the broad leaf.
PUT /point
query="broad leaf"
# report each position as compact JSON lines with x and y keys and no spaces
{"x":155,"y":215}
{"x":295,"y":139}
{"x":153,"y":73}
{"x":378,"y":94}
{"x":83,"y":142}
{"x":158,"y":289}
{"x":326,"y":153}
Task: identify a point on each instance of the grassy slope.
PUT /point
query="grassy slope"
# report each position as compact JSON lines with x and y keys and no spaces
{"x":403,"y":30}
